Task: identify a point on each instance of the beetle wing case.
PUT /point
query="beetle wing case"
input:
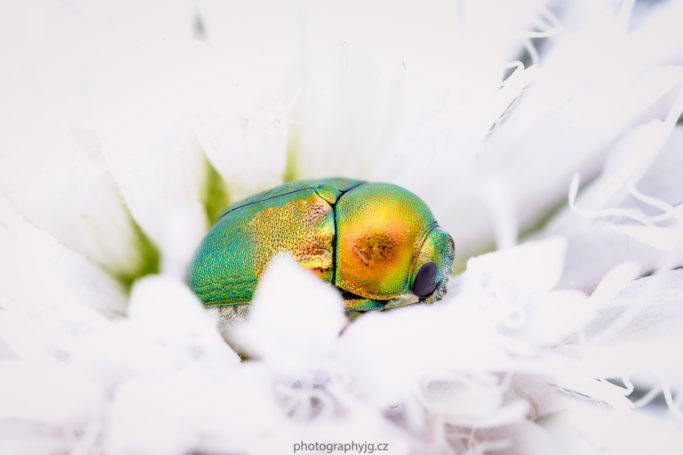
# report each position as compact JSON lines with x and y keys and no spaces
{"x":292,"y":218}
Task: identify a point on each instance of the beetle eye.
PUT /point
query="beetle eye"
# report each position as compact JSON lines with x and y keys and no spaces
{"x":425,"y":280}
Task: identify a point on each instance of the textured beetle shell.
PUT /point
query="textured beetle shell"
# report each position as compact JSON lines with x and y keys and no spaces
{"x":290,"y":218}
{"x":365,"y":238}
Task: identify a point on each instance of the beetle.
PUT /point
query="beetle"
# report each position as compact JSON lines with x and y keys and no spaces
{"x":373,"y":241}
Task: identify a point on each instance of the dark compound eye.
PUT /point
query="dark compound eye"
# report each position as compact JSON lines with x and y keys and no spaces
{"x":425,"y":282}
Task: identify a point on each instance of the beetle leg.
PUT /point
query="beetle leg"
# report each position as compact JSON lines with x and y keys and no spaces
{"x":363,"y":304}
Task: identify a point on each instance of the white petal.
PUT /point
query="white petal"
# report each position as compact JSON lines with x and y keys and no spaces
{"x":47,"y":392}
{"x":530,"y":267}
{"x":294,"y":319}
{"x":247,"y":146}
{"x":661,"y":238}
{"x":167,"y":311}
{"x":57,"y":178}
{"x":578,"y":104}
{"x":390,"y":353}
{"x":615,"y":281}
{"x":244,"y":128}
{"x":160,"y":178}
{"x":591,"y":430}
{"x":595,"y":246}
{"x":555,"y":315}
{"x":69,"y":283}
{"x":395,"y":117}
{"x":214,"y":412}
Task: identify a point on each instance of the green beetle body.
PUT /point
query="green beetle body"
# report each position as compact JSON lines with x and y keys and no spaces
{"x":374,"y":241}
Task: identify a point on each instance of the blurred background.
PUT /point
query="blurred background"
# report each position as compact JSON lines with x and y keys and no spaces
{"x":166,"y":112}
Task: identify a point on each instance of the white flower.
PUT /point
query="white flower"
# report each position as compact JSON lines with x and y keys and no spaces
{"x":127,"y":125}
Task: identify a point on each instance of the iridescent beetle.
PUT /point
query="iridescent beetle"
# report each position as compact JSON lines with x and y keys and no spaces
{"x":373,"y":241}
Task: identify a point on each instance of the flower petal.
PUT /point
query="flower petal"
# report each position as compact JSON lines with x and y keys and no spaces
{"x":70,"y":284}
{"x":294,"y":319}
